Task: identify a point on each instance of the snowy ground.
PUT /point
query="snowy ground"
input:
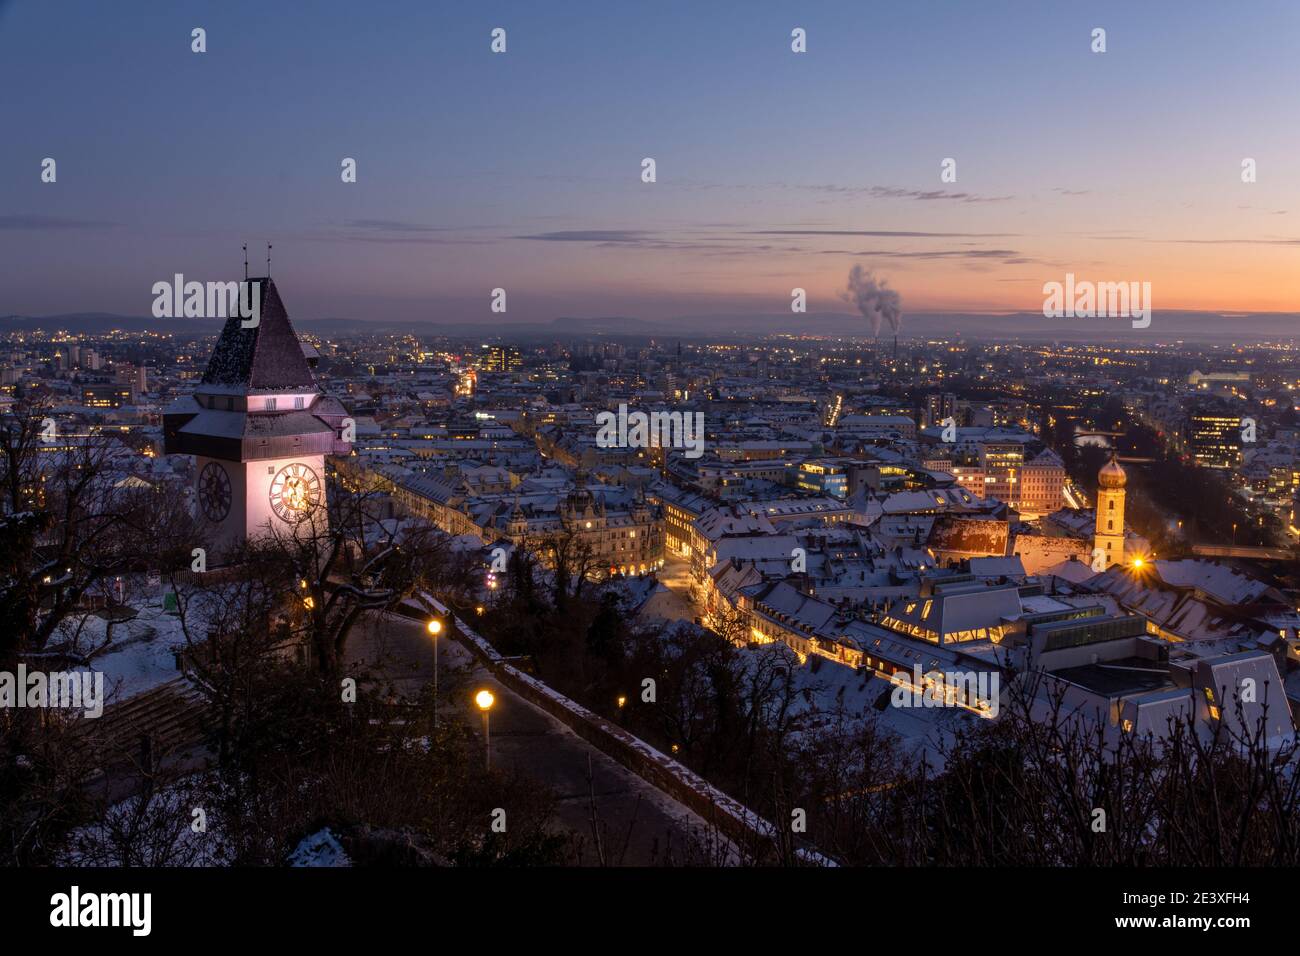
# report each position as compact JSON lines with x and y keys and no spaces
{"x":140,"y":655}
{"x":672,"y":601}
{"x":320,"y":849}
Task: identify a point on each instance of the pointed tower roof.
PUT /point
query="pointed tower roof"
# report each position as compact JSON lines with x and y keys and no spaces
{"x":267,"y":357}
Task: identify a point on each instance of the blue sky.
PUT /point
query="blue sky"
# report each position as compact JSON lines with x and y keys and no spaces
{"x":522,"y":170}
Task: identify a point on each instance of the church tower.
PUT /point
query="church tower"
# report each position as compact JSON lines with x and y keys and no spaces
{"x":1109,"y":538}
{"x":259,"y":429}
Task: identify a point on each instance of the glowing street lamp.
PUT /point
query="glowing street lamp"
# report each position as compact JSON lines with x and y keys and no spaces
{"x":485,"y":700}
{"x":434,"y":627}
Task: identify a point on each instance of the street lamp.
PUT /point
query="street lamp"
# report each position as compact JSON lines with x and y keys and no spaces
{"x":434,"y":627}
{"x":485,"y":700}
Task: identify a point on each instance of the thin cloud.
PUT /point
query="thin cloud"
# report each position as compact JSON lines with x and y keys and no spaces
{"x":591,"y":235}
{"x":881,"y":233}
{"x":392,"y":225}
{"x":641,"y":239}
{"x":872,"y":192}
{"x":898,"y":192}
{"x":23,"y":222}
{"x":1230,"y":242}
{"x":393,"y":231}
{"x":1008,"y":254}
{"x":749,"y":243}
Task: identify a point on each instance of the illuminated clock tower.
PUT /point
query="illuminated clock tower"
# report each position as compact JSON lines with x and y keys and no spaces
{"x":1110,"y":512}
{"x":259,"y":429}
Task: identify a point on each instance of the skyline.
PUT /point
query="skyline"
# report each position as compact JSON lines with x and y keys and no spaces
{"x":775,"y":170}
{"x":443,"y":439}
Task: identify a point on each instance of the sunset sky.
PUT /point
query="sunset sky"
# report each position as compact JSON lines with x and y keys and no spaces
{"x":522,"y":170}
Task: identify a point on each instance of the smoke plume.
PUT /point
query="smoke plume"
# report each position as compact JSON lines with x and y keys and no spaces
{"x":875,"y":300}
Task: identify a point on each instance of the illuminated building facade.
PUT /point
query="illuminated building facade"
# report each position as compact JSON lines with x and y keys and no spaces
{"x":1109,"y":538}
{"x":1214,"y":438}
{"x":259,"y":429}
{"x":501,"y":358}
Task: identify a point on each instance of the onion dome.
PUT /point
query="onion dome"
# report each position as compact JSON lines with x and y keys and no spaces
{"x":1112,"y":474}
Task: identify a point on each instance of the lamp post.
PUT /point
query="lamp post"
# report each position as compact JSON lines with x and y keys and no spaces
{"x":485,"y":700}
{"x":434,"y":628}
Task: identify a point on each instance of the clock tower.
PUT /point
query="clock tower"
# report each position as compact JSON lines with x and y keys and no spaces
{"x":1108,"y":542}
{"x":259,"y":429}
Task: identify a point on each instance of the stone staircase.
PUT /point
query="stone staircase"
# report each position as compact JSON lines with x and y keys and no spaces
{"x":164,"y":724}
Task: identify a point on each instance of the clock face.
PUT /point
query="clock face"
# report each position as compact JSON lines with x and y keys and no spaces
{"x":214,"y":492}
{"x":295,"y":492}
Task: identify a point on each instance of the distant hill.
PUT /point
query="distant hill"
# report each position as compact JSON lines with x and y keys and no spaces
{"x":1193,"y":326}
{"x":1188,"y":325}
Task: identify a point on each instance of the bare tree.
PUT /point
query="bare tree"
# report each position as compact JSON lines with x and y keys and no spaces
{"x":571,"y":560}
{"x":354,"y":563}
{"x":68,"y":528}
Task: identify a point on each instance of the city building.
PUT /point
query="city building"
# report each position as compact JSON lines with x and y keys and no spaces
{"x":1108,"y":542}
{"x":501,"y":358}
{"x":1214,"y":438}
{"x":259,"y":429}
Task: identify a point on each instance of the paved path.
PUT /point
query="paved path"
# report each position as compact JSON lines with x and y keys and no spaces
{"x":529,"y":741}
{"x":675,"y":604}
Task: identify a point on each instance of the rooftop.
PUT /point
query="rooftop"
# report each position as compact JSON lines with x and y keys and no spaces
{"x":267,"y":356}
